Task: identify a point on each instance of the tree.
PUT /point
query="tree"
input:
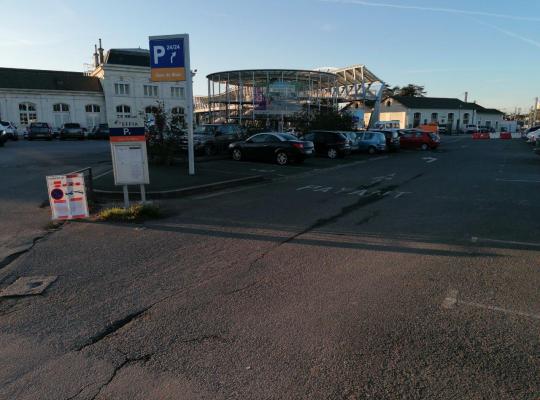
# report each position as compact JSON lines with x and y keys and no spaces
{"x":412,"y":90}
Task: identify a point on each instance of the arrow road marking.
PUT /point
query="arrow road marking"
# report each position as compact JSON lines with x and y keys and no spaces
{"x":429,"y":159}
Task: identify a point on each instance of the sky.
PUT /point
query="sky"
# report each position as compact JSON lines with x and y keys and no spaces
{"x":488,"y":48}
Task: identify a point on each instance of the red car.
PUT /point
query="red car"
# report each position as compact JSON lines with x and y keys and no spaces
{"x":416,"y":139}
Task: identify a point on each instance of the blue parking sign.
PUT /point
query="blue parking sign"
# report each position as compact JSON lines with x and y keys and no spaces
{"x":167,"y":59}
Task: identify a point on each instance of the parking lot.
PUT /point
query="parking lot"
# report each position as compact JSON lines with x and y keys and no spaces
{"x":400,"y":275}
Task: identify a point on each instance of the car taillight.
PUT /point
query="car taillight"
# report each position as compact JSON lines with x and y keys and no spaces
{"x":298,"y":145}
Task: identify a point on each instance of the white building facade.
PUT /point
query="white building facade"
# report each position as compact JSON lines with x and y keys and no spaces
{"x":118,"y":86}
{"x":452,"y":113}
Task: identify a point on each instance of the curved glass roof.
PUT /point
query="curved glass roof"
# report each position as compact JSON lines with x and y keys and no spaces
{"x":261,"y":76}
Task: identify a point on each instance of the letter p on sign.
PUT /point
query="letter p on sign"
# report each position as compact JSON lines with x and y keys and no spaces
{"x":159,"y":51}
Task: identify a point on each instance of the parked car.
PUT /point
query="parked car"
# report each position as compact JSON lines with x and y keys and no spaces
{"x":533,"y":137}
{"x":371,"y":141}
{"x":279,"y":147}
{"x":392,"y":139}
{"x":10,"y":129}
{"x":39,"y":130}
{"x":330,"y":143}
{"x":3,"y":138}
{"x":71,"y":130}
{"x":416,"y":139}
{"x":470,"y":128}
{"x":353,"y":140}
{"x":210,"y":139}
{"x":99,"y":132}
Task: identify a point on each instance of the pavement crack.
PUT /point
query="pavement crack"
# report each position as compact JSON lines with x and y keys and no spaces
{"x":127,"y":361}
{"x":241,"y":289}
{"x":112,"y":328}
{"x":368,"y":218}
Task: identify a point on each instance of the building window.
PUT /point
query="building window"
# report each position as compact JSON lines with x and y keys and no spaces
{"x":488,"y":124}
{"x":149,"y":113}
{"x":450,"y":118}
{"x":61,"y":114}
{"x":123,"y":111}
{"x":150,"y":91}
{"x":92,"y":108}
{"x":389,"y":103}
{"x":178,"y":118}
{"x":121,"y":89}
{"x":466,"y":119}
{"x":177,"y":92}
{"x":27,"y":113}
{"x":92,"y":115}
{"x":434,"y":117}
{"x":416,"y":119}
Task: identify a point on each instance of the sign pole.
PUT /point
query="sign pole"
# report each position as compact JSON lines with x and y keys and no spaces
{"x":126,"y":196}
{"x":143,"y":194}
{"x":189,"y":87}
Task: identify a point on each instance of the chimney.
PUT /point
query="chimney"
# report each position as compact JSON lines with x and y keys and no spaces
{"x":101,"y":57}
{"x":96,"y":57}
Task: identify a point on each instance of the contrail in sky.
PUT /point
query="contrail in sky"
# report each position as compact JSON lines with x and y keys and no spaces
{"x":435,"y":9}
{"x":511,"y":34}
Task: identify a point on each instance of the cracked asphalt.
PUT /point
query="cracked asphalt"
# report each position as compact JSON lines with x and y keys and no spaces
{"x":332,"y":284}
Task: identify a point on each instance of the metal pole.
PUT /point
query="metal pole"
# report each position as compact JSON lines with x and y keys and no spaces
{"x":253,"y":97}
{"x":126,"y":196}
{"x":227,"y":90}
{"x":535,"y":113}
{"x":209,"y":103}
{"x":241,"y":97}
{"x":189,"y":83}
{"x":143,"y":194}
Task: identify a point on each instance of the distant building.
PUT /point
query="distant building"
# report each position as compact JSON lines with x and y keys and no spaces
{"x":117,"y":86}
{"x":452,"y":113}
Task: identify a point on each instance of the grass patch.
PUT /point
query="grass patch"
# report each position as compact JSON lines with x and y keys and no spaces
{"x":135,"y":213}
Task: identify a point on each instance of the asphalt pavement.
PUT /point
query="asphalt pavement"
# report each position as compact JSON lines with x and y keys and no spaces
{"x":401,"y":276}
{"x":23,"y":168}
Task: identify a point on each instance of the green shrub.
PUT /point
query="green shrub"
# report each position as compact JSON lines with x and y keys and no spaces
{"x":135,"y":213}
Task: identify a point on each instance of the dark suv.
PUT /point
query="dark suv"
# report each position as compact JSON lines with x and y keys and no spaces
{"x":329,"y":143}
{"x":71,"y":131}
{"x":39,"y":130}
{"x":211,"y":139}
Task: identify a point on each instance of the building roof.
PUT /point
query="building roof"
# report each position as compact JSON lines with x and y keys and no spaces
{"x":37,"y":79}
{"x":430,"y":102}
{"x":132,"y":57}
{"x":442,"y":103}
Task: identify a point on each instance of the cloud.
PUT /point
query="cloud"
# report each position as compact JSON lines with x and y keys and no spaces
{"x":435,"y":9}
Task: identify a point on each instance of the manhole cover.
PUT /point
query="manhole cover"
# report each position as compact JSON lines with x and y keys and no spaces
{"x":28,"y":285}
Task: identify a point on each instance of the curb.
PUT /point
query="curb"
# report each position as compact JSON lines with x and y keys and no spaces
{"x":176,"y":193}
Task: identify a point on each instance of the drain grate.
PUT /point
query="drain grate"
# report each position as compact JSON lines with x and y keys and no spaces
{"x":28,"y":286}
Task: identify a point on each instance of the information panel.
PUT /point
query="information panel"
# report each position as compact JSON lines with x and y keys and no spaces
{"x":130,"y":163}
{"x":67,"y":196}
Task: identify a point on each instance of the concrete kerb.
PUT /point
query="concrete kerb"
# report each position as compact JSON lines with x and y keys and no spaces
{"x":182,"y":192}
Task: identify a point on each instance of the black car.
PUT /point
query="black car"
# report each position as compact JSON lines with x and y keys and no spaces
{"x":71,"y":131}
{"x":99,"y":132}
{"x":39,"y":130}
{"x":211,"y":139}
{"x":3,"y":138}
{"x":279,"y":147}
{"x":329,"y":143}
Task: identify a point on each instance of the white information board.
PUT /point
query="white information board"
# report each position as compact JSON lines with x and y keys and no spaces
{"x":130,"y":163}
{"x":67,"y":196}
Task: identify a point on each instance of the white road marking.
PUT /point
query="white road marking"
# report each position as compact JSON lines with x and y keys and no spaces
{"x":451,"y":300}
{"x":224,"y":192}
{"x":475,"y":239}
{"x":399,"y":194}
{"x":518,"y":180}
{"x":429,"y":159}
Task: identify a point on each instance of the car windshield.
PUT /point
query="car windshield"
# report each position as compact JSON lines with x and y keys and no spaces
{"x":204,"y":130}
{"x":4,"y":123}
{"x":286,"y":136}
{"x":68,"y":126}
{"x":39,"y":125}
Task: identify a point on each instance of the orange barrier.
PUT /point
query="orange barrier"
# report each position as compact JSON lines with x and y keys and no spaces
{"x":506,"y":135}
{"x":480,"y":135}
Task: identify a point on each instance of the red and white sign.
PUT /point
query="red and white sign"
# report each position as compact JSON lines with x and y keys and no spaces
{"x":67,"y":196}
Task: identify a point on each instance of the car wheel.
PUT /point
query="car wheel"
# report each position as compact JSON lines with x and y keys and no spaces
{"x":332,"y":153}
{"x":372,"y":150}
{"x":237,"y":155}
{"x":424,"y":146}
{"x":209,"y":150}
{"x":282,"y":158}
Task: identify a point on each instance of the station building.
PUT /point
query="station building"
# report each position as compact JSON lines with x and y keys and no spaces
{"x":116,"y":85}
